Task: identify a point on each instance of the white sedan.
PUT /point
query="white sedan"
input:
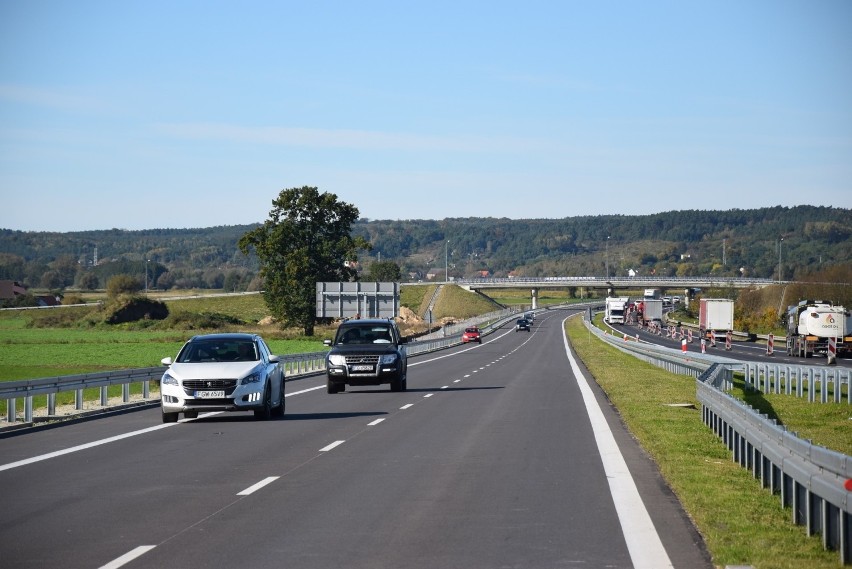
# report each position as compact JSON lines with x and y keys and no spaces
{"x":222,"y":372}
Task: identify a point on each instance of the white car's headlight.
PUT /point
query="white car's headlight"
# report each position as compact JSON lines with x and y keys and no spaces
{"x":168,"y":379}
{"x":337,"y":360}
{"x":253,"y":378}
{"x":388,"y":359}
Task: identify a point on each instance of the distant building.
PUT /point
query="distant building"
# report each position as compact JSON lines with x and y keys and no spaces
{"x":11,"y":289}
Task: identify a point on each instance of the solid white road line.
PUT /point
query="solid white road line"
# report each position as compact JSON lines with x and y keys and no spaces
{"x":77,"y":448}
{"x":643,"y":542}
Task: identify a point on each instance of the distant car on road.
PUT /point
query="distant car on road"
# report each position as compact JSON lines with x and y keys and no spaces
{"x":471,"y":334}
{"x":522,"y":324}
{"x":222,"y":372}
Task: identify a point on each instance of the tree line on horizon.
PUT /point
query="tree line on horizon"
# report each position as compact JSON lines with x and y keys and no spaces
{"x":786,"y":242}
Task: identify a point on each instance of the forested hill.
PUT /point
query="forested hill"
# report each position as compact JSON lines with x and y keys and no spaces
{"x":750,"y":242}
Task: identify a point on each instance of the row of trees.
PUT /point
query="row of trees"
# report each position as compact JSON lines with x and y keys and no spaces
{"x":673,"y":243}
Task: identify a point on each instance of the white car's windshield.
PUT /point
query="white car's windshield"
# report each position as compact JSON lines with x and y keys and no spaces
{"x":218,"y":351}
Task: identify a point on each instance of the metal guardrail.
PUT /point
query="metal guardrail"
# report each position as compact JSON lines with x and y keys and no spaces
{"x":801,"y":381}
{"x":809,"y":478}
{"x":50,"y":386}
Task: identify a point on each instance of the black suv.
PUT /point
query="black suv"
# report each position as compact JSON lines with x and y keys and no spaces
{"x":366,"y":352}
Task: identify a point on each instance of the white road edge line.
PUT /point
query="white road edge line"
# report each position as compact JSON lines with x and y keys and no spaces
{"x":77,"y":448}
{"x":255,"y":487}
{"x":128,"y":557}
{"x":643,"y":542}
{"x":331,"y":446}
{"x":93,"y":444}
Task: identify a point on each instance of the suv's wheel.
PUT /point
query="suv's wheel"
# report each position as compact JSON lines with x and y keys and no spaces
{"x":398,"y":384}
{"x":265,"y":412}
{"x":330,"y":387}
{"x":170,"y":417}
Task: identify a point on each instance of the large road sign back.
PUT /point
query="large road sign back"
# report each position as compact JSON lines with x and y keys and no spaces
{"x":357,"y":299}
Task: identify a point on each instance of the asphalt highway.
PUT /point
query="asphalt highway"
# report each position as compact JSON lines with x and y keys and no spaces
{"x":499,"y":455}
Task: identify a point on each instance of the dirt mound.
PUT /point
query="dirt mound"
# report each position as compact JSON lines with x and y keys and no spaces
{"x":409,"y":316}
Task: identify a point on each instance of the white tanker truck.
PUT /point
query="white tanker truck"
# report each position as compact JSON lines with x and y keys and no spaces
{"x":810,"y":325}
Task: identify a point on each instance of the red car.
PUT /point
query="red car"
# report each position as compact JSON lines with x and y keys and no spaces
{"x":471,"y":335}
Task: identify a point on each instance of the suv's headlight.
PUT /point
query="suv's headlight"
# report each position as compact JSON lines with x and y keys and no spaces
{"x":337,"y":360}
{"x":168,"y":379}
{"x":388,"y":358}
{"x":253,"y":378}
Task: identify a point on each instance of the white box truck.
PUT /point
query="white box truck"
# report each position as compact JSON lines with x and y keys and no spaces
{"x":652,"y":310}
{"x":616,"y":309}
{"x":652,"y":293}
{"x":715,"y":315}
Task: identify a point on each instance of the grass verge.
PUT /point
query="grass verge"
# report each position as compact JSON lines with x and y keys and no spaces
{"x":741,"y":523}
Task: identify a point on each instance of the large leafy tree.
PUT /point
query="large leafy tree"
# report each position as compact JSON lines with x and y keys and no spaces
{"x":307,"y":239}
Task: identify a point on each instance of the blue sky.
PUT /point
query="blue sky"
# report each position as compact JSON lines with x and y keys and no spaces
{"x":142,"y":115}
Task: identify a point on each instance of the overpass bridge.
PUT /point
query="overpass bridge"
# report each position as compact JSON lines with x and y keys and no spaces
{"x":614,"y":283}
{"x":685,"y":285}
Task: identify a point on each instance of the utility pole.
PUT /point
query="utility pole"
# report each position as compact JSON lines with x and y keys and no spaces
{"x":447,"y":261}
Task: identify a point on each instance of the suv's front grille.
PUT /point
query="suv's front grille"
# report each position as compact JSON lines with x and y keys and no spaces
{"x":362,"y":359}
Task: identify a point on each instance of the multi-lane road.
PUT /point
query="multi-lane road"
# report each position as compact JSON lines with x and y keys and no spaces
{"x":502,"y":454}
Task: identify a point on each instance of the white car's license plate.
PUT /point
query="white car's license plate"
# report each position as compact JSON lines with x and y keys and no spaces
{"x":362,"y":368}
{"x":209,"y":394}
